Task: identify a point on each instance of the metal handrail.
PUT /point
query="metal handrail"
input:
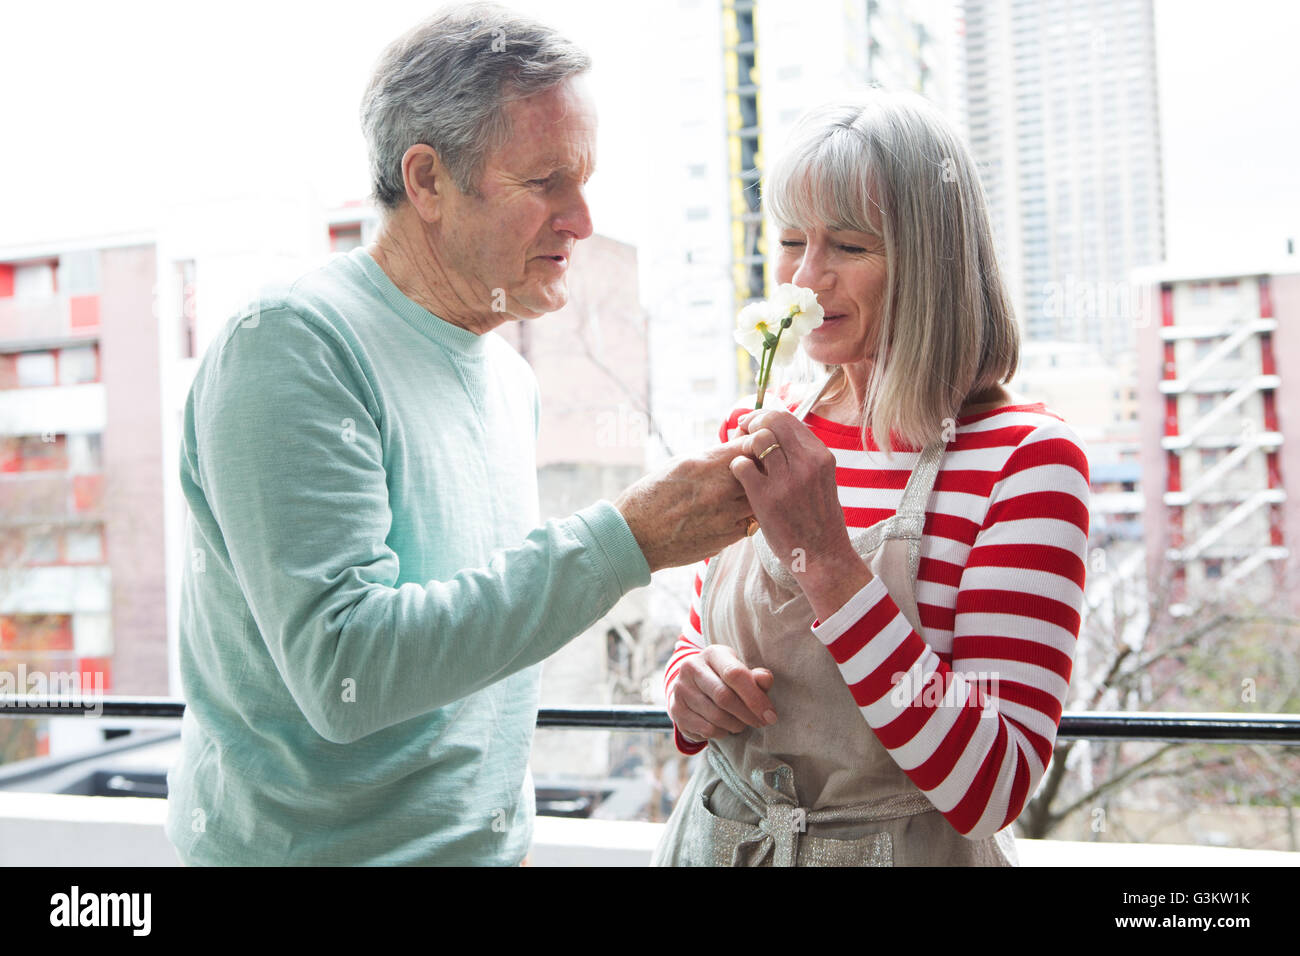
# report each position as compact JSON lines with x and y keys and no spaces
{"x":1115,"y":725}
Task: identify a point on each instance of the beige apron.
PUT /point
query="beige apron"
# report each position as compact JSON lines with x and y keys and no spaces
{"x":817,"y":788}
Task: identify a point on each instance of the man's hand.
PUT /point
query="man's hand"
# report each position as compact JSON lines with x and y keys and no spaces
{"x":688,"y":511}
{"x":715,"y":695}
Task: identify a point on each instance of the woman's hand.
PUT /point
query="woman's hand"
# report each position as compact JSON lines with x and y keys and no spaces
{"x":792,"y":492}
{"x":716,"y":695}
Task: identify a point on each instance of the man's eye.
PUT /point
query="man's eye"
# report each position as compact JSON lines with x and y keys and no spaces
{"x":791,"y":243}
{"x":854,"y":250}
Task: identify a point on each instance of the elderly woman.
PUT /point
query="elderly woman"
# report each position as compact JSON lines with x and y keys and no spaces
{"x":878,"y":673}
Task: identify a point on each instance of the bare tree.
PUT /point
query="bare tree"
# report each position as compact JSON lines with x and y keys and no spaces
{"x":1142,"y":649}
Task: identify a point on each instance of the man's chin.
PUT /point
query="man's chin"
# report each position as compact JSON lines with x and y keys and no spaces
{"x":535,"y":306}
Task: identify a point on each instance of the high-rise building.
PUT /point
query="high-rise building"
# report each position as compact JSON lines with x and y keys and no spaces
{"x":1221,"y":462}
{"x":82,"y":604}
{"x":1061,"y":107}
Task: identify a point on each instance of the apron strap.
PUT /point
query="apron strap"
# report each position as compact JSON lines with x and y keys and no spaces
{"x":909,"y":520}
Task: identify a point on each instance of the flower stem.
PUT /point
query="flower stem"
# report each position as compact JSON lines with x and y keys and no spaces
{"x":765,"y":367}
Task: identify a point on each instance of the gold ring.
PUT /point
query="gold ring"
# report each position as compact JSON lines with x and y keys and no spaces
{"x":751,"y":527}
{"x":768,"y":450}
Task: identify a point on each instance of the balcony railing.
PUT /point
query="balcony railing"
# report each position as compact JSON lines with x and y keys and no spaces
{"x":64,"y":829}
{"x":1118,"y":725}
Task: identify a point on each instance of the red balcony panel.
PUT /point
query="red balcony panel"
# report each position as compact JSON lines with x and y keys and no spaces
{"x":1171,"y":367}
{"x":1274,"y":470}
{"x":1270,"y":410}
{"x":1171,"y":414}
{"x":1174,"y":464}
{"x":1166,"y":305}
{"x":35,"y":496}
{"x":6,"y":281}
{"x":87,"y":492}
{"x":36,"y":632}
{"x":83,"y":311}
{"x":1178,"y":589}
{"x":1265,"y":298}
{"x":1267,"y":363}
{"x":90,"y":667}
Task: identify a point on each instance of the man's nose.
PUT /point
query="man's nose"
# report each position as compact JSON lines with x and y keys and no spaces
{"x":575,"y":217}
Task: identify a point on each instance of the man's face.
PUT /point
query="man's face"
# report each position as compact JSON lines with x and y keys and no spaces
{"x":508,"y":249}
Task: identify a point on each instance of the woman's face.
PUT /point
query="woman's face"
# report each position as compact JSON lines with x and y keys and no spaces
{"x":848,"y":271}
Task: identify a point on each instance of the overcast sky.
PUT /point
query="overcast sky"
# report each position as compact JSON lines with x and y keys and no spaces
{"x":115,"y":110}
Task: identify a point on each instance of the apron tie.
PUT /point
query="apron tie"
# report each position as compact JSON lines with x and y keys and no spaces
{"x":781,"y":822}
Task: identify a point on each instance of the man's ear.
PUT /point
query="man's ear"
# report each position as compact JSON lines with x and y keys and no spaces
{"x":427,"y":181}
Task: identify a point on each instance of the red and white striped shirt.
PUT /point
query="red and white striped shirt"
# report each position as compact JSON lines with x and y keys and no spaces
{"x":999,"y":591}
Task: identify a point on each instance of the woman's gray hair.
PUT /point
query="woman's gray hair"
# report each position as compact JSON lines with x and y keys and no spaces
{"x":890,"y":164}
{"x":445,"y":83}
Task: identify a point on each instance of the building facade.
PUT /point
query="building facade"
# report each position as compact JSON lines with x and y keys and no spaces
{"x":81,"y":481}
{"x":1215,"y":360}
{"x":1062,"y":111}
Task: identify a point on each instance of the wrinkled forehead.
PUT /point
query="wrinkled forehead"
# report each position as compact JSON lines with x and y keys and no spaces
{"x":824,"y":183}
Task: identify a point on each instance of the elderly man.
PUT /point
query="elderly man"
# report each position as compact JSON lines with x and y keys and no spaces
{"x":370,"y":589}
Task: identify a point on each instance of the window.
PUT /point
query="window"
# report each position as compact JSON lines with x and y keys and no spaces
{"x":34,"y":280}
{"x":34,"y":369}
{"x":185,"y":286}
{"x":79,"y":272}
{"x":85,"y":453}
{"x":84,"y":545}
{"x":1214,"y":567}
{"x":42,"y":547}
{"x":78,"y":365}
{"x":345,"y":238}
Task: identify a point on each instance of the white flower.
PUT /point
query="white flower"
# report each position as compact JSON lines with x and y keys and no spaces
{"x":754,"y":323}
{"x":770,"y":330}
{"x":807,"y":313}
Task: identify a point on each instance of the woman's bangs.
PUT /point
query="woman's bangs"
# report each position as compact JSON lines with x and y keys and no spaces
{"x":821,"y":184}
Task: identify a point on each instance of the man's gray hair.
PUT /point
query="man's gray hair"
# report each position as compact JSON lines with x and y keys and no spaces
{"x":445,"y":83}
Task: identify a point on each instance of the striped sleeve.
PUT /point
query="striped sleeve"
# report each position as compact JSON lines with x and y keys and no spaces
{"x":689,"y":643}
{"x":975,"y":731}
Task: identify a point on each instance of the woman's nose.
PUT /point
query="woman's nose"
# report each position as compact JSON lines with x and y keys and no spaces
{"x":812,"y":272}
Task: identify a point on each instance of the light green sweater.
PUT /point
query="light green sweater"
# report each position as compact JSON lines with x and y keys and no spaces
{"x":367,"y":590}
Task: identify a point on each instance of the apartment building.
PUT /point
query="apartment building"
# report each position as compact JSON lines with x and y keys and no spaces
{"x":1221,"y":459}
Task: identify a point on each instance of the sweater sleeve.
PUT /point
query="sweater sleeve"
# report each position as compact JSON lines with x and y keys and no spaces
{"x":975,"y":733}
{"x":284,"y":450}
